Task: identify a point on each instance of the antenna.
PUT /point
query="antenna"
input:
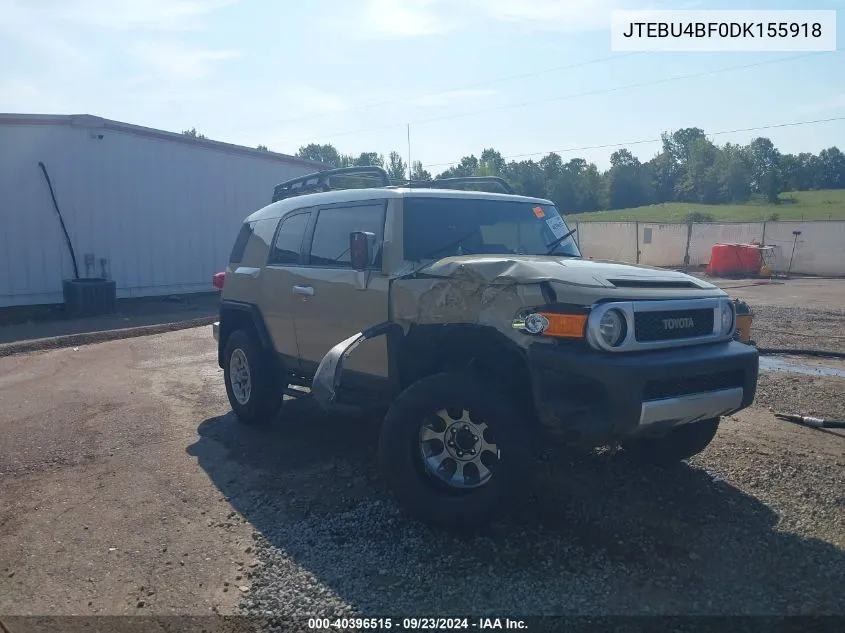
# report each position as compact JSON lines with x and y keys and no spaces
{"x":410,"y":166}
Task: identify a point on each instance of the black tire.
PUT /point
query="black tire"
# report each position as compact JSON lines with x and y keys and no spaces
{"x":677,"y":445}
{"x":265,"y":397}
{"x":419,"y":493}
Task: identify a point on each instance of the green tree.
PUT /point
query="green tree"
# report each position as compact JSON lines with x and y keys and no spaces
{"x":493,"y":161}
{"x":527,"y":178}
{"x":325,"y":154}
{"x":697,"y":178}
{"x":369,"y":159}
{"x":588,"y":189}
{"x":396,"y":168}
{"x":418,"y":172}
{"x":831,"y":169}
{"x":263,"y":148}
{"x":467,"y":167}
{"x":624,"y":186}
{"x":193,"y":133}
{"x":732,"y":169}
{"x":689,"y":167}
{"x":765,"y":164}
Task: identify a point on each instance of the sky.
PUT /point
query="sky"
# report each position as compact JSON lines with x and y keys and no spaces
{"x":525,"y":77}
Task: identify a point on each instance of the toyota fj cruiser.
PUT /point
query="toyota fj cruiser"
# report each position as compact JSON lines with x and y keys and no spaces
{"x":473,"y":320}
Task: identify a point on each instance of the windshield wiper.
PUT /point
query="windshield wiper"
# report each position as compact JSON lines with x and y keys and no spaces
{"x":445,"y":247}
{"x":558,"y":241}
{"x":453,"y":244}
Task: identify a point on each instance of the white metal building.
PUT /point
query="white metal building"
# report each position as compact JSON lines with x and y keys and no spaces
{"x":162,"y":208}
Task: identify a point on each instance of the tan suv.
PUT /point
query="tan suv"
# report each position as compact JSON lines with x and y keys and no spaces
{"x":472,"y":319}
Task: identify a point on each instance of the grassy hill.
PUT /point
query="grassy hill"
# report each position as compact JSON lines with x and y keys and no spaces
{"x":795,"y":205}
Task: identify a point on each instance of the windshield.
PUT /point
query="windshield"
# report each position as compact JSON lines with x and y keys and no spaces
{"x":443,"y":227}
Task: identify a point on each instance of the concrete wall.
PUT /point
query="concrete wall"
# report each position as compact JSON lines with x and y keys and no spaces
{"x":819,"y":250}
{"x":164,"y":213}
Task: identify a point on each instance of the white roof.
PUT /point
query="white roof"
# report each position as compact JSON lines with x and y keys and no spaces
{"x":94,"y":122}
{"x":282,"y":207}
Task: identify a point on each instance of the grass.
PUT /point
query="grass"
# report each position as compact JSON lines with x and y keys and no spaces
{"x":794,"y":205}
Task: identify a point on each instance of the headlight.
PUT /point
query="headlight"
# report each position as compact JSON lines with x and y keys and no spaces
{"x":612,"y":328}
{"x":727,"y":317}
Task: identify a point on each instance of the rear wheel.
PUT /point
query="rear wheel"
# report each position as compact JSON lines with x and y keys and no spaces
{"x":677,"y":445}
{"x":454,"y":451}
{"x":251,"y":379}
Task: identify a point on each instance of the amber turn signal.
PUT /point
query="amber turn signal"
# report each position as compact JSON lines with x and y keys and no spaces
{"x":565,"y":325}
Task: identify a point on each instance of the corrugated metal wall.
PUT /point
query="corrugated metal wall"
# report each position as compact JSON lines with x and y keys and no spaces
{"x":164,"y":213}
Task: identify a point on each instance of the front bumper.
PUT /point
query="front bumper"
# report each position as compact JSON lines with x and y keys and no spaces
{"x":583,"y":394}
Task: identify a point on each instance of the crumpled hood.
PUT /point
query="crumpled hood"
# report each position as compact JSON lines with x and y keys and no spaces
{"x":521,"y":269}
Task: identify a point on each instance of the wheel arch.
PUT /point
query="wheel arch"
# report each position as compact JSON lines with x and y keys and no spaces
{"x":237,"y":315}
{"x":481,"y":350}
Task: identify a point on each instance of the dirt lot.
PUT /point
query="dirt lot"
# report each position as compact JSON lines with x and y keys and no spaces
{"x":126,"y":487}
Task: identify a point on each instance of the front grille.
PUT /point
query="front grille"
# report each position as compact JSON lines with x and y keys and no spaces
{"x":683,"y":386}
{"x":670,"y":325}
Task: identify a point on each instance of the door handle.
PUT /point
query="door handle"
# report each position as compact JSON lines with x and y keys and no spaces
{"x":308,"y":291}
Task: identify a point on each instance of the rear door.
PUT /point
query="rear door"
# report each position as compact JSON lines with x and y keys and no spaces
{"x":334,"y":301}
{"x":278,"y":278}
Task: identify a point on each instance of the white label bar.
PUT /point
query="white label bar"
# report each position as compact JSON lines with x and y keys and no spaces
{"x":756,"y":31}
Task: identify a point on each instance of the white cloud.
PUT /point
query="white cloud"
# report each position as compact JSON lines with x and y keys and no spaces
{"x":398,"y":19}
{"x":68,"y":44}
{"x":556,"y":15}
{"x":407,"y":18}
{"x":175,"y":61}
{"x":160,"y":15}
{"x":451,"y":97}
{"x":28,"y":30}
{"x":392,"y":19}
{"x":302,"y":99}
{"x":17,"y":94}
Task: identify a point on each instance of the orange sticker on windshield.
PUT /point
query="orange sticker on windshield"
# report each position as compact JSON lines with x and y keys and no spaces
{"x":538,"y":212}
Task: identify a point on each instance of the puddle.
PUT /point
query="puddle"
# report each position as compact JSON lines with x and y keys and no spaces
{"x":773,"y":363}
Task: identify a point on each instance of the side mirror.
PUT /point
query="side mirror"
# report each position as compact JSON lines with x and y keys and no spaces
{"x":361,"y":247}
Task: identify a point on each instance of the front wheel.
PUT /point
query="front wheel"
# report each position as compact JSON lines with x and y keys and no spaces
{"x":677,"y":445}
{"x":454,"y":451}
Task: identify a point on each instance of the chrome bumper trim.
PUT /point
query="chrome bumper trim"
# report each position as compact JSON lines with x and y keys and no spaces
{"x":691,"y":408}
{"x":215,"y":330}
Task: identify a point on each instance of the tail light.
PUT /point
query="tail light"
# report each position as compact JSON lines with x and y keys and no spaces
{"x":218,"y":279}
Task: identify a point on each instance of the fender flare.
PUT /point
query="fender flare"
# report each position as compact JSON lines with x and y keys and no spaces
{"x":327,"y":377}
{"x":255,"y":317}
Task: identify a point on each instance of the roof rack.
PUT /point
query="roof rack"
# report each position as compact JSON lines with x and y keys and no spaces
{"x":319,"y":181}
{"x":451,"y":183}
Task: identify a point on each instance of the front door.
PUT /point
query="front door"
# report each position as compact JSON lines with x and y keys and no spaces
{"x":333,"y":300}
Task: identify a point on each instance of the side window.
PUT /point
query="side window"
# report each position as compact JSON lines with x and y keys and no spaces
{"x":238,"y":249}
{"x":288,"y":242}
{"x":258,"y":246}
{"x":330,"y":245}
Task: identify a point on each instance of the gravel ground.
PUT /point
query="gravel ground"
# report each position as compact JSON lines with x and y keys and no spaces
{"x":804,"y":395}
{"x":598,"y":536}
{"x":798,"y":328}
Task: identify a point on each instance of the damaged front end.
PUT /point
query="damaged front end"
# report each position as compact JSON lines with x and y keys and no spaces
{"x":453,"y":291}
